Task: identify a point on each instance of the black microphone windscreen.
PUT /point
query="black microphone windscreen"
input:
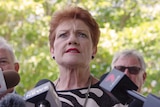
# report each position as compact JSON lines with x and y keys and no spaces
{"x":12,"y":100}
{"x":42,"y":94}
{"x":42,"y":82}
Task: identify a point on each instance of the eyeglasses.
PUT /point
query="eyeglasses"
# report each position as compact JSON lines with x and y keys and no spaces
{"x":132,"y":70}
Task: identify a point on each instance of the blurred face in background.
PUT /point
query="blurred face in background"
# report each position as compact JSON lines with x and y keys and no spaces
{"x":7,"y":64}
{"x":134,"y":70}
{"x":6,"y":60}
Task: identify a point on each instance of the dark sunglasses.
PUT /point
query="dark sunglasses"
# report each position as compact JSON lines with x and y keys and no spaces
{"x":132,"y":70}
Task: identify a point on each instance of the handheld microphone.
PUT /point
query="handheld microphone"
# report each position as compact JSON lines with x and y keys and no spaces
{"x":136,"y":103}
{"x":44,"y":81}
{"x":122,"y":89}
{"x":42,"y":95}
{"x":8,"y":79}
{"x":117,"y":84}
{"x":12,"y":100}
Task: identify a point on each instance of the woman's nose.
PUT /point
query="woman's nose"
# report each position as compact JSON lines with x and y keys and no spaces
{"x":73,"y":40}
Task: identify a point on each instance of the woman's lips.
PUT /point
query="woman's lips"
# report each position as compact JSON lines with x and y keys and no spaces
{"x":72,"y":50}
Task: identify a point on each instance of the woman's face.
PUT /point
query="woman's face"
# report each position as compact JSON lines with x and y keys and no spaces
{"x":73,"y":44}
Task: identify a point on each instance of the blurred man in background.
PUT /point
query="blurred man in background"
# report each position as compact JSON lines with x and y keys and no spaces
{"x":131,"y":63}
{"x":8,"y":61}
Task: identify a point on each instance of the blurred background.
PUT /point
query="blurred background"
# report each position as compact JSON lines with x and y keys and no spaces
{"x":124,"y":24}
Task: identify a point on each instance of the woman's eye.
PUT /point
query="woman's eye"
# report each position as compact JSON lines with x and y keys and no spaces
{"x":82,"y":35}
{"x":63,"y":35}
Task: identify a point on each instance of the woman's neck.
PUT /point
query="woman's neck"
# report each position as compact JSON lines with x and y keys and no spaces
{"x":72,"y":82}
{"x":73,"y":78}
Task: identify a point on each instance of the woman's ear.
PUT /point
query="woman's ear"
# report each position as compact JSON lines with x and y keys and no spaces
{"x":94,"y":52}
{"x":52,"y":51}
{"x":144,"y":76}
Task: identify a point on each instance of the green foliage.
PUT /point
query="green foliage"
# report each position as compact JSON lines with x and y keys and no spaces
{"x":124,"y":24}
{"x":144,"y":38}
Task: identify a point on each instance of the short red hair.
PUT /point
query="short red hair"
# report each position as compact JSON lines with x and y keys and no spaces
{"x":72,"y":12}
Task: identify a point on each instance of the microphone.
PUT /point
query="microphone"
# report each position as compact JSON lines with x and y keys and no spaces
{"x":45,"y":81}
{"x":116,"y":85}
{"x":8,"y":79}
{"x":122,"y":89}
{"x":42,"y":95}
{"x":136,"y":103}
{"x":12,"y":100}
